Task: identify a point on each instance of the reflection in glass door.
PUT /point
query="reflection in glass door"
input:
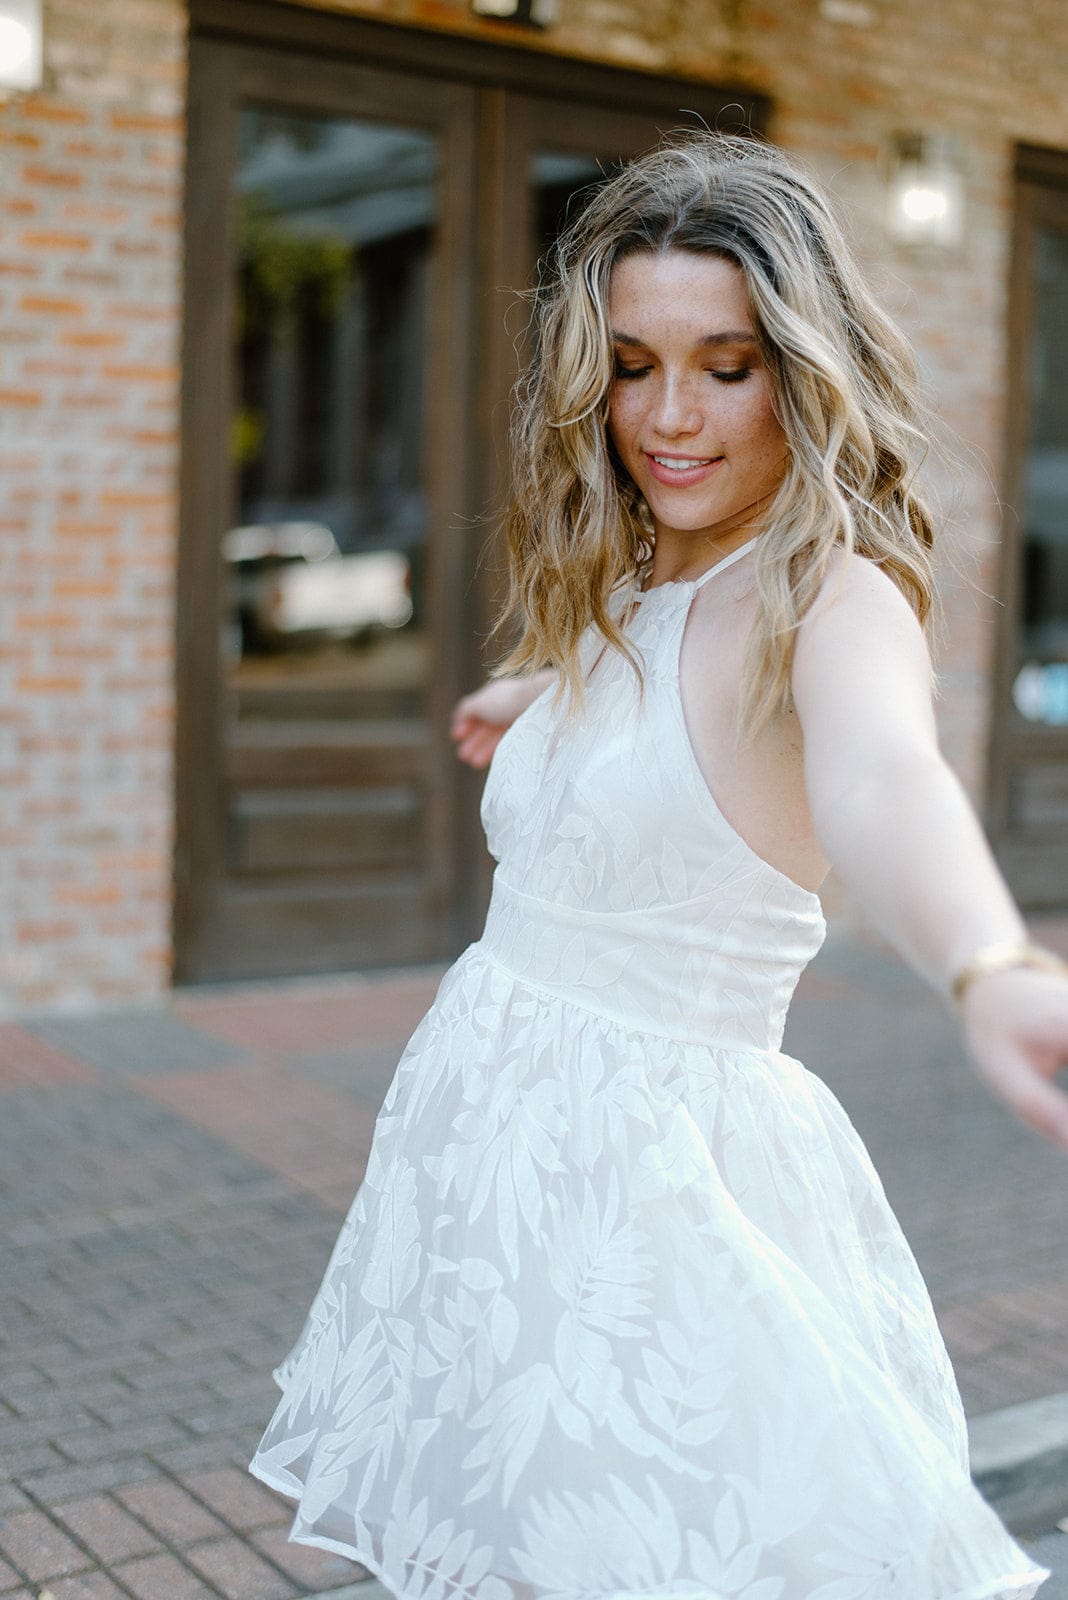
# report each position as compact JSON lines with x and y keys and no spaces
{"x":327,"y":556}
{"x":1029,"y":767}
{"x":1040,"y":689}
{"x":326,"y":560}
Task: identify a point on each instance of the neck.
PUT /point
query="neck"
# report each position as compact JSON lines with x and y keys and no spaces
{"x":676,"y":554}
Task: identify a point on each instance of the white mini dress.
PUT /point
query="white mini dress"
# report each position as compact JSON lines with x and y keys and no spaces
{"x":621,"y":1310}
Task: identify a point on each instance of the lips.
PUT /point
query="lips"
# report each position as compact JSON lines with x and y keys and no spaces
{"x":681,"y":471}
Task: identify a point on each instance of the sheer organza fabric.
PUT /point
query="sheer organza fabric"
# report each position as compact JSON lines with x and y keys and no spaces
{"x":621,"y":1308}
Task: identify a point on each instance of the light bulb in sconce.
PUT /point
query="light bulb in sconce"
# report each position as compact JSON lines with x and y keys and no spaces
{"x":925,"y":196}
{"x":21,"y":30}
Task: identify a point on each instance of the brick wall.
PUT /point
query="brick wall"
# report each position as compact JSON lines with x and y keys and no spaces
{"x":89,"y":290}
{"x":90,"y":295}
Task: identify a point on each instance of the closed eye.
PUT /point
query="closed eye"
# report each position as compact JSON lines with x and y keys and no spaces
{"x":631,"y":372}
{"x":734,"y":376}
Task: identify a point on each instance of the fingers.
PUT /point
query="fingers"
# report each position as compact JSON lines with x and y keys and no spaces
{"x":1041,"y":1105}
{"x":465,"y":706}
{"x":476,"y":742}
{"x":1045,"y":1109}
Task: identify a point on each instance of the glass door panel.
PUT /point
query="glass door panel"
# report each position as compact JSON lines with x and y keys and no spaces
{"x":327,"y":557}
{"x":1028,"y":804}
{"x":1040,"y":688}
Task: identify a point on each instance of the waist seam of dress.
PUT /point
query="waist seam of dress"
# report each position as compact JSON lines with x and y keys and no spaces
{"x":730,"y":1047}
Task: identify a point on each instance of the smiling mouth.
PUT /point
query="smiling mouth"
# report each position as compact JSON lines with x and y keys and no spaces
{"x":684,"y":464}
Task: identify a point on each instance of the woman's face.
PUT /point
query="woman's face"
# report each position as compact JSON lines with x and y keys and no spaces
{"x":690,"y":410}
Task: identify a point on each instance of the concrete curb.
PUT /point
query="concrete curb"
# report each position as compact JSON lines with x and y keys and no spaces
{"x":1019,"y":1459}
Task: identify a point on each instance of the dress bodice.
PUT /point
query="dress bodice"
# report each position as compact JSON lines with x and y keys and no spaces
{"x":620,"y":884}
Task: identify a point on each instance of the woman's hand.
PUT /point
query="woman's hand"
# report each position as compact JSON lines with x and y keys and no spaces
{"x":480,"y":720}
{"x":1016,"y":1028}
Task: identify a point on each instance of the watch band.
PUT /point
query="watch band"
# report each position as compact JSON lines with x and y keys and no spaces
{"x":1003,"y":957}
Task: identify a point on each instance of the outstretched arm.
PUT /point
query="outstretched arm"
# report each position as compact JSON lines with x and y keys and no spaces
{"x":480,"y":720}
{"x":900,"y":833}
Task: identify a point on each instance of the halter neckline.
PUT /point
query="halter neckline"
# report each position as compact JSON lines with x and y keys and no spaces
{"x":696,"y":583}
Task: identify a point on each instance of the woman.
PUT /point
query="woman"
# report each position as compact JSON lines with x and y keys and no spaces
{"x":621,"y":1308}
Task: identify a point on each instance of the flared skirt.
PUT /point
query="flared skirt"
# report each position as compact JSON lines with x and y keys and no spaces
{"x":618,"y":1315}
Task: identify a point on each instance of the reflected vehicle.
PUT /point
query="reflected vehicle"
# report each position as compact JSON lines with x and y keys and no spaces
{"x":291,"y":585}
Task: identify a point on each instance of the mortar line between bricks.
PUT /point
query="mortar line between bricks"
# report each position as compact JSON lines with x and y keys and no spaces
{"x":51,"y":1512}
{"x":226,"y":1522}
{"x":164,"y":1544}
{"x":21,"y":1572}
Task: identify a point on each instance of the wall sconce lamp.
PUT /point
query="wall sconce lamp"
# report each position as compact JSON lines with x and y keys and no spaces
{"x":527,"y":13}
{"x":21,"y":44}
{"x":925,"y":202}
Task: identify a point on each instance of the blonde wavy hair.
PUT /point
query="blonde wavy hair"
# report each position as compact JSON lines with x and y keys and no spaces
{"x":844,"y":384}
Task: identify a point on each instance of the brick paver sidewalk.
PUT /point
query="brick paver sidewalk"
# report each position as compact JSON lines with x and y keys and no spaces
{"x":171,"y":1183}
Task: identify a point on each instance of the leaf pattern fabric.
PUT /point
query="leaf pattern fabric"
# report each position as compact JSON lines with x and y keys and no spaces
{"x":620,"y":1308}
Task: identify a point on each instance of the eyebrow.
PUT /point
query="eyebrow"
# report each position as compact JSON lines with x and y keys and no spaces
{"x":732,"y":336}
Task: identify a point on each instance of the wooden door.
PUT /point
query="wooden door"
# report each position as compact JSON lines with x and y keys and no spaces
{"x":1029,"y":769}
{"x":363,"y":201}
{"x":328,"y":353}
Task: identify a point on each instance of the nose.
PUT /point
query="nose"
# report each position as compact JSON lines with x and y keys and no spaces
{"x":675,"y":409}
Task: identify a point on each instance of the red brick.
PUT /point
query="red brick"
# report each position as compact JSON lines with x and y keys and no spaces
{"x":52,"y":305}
{"x":134,"y":499}
{"x":59,"y":621}
{"x":161,"y":1578}
{"x":20,"y":139}
{"x":238,"y":1572}
{"x":238,"y":1498}
{"x":53,"y":177}
{"x":68,"y":527}
{"x":38,"y":108}
{"x":34,"y":1545}
{"x":110,"y":1532}
{"x":88,"y":1586}
{"x":92,"y":339}
{"x":53,"y":239}
{"x":139,"y":122}
{"x":171,"y":1512}
{"x":45,"y":683}
{"x":86,"y":588}
{"x":93,"y":151}
{"x":128,"y":373}
{"x":97,"y":213}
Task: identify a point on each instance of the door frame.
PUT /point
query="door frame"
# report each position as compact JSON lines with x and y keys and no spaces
{"x":1035,"y":863}
{"x":483,"y":222}
{"x":222,"y":75}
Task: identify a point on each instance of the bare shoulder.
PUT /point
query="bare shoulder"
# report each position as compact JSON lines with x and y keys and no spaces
{"x":861,"y":642}
{"x":860,"y":605}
